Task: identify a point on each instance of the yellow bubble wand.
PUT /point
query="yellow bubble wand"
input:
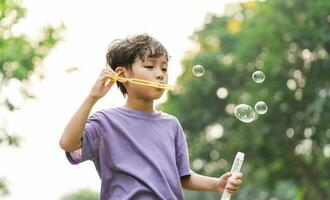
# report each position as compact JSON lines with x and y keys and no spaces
{"x":144,"y":82}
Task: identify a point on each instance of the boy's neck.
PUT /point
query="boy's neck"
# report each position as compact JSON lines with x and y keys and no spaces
{"x":140,"y":104}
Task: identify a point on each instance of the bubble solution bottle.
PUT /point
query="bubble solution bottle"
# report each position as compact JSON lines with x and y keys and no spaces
{"x":234,"y":169}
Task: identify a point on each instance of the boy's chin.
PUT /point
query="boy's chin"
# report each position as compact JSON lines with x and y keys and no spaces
{"x":158,"y":95}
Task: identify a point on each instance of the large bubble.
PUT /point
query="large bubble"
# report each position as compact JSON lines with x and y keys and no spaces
{"x":245,"y":113}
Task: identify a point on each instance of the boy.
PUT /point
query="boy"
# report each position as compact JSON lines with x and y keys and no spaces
{"x":138,"y":152}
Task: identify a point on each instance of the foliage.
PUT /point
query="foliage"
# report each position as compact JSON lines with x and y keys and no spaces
{"x":83,"y":194}
{"x":20,"y":59}
{"x":287,"y":149}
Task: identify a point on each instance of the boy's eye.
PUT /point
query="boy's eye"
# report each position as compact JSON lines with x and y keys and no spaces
{"x":149,"y":67}
{"x":164,"y":69}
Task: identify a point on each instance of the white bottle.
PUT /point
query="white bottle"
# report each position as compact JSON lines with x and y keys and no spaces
{"x":234,"y":169}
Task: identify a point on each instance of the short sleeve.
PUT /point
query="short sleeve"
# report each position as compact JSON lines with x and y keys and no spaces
{"x":181,"y":151}
{"x":90,"y":142}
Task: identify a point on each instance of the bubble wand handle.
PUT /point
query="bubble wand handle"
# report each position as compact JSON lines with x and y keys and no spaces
{"x":234,"y":169}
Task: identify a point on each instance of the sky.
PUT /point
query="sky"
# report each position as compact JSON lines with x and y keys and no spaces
{"x":38,"y":169}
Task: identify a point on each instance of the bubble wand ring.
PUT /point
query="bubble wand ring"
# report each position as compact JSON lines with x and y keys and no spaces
{"x":144,"y":82}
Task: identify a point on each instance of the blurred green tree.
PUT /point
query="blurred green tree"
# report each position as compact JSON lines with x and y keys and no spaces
{"x":288,"y":148}
{"x":20,"y":59}
{"x":83,"y":194}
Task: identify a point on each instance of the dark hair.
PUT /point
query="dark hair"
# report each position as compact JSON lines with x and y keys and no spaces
{"x":123,"y":52}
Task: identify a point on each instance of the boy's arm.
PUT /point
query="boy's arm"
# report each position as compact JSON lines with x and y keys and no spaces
{"x":199,"y":183}
{"x":72,"y":134}
{"x":205,"y":183}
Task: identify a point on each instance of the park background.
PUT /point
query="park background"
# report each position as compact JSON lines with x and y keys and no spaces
{"x":52,"y":51}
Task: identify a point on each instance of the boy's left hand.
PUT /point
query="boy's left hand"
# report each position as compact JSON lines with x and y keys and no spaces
{"x":229,"y":181}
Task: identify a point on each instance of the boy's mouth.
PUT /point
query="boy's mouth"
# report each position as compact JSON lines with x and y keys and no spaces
{"x":160,"y":84}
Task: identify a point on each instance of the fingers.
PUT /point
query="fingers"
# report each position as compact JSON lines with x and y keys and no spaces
{"x":103,"y":83}
{"x":231,"y":190}
{"x":107,"y":75}
{"x":239,"y":175}
{"x":236,"y":176}
{"x":226,"y":175}
{"x":233,"y":183}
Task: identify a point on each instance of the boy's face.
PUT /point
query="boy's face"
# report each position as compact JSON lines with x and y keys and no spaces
{"x":151,"y":69}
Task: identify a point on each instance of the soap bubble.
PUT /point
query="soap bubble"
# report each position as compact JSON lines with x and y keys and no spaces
{"x":245,"y":113}
{"x":258,"y":76}
{"x":198,"y":70}
{"x":261,"y":107}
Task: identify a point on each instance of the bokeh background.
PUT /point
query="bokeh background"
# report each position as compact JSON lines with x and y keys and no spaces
{"x":51,"y":52}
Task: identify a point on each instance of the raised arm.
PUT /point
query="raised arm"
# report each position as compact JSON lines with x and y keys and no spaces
{"x":72,"y":134}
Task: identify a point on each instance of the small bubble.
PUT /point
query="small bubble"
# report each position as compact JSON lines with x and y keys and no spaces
{"x":198,"y":70}
{"x":261,"y":107}
{"x":258,"y":76}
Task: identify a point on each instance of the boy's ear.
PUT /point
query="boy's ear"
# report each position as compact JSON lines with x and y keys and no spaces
{"x":122,"y":72}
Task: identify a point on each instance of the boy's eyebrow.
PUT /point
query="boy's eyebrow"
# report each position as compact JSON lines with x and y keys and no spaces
{"x":155,"y":60}
{"x":164,"y":63}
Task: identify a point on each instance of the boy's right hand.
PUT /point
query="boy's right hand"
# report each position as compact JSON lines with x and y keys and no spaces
{"x":103,"y":84}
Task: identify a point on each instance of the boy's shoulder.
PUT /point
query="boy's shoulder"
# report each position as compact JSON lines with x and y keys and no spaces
{"x":103,"y":112}
{"x":169,"y":116}
{"x":173,"y":119}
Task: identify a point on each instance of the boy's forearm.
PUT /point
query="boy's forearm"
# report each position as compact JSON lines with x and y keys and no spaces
{"x":199,"y":183}
{"x":72,"y":134}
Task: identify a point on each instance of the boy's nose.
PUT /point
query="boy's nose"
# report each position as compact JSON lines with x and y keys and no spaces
{"x":159,"y":75}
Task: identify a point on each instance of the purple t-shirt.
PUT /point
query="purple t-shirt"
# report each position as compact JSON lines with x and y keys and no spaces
{"x":138,"y":155}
